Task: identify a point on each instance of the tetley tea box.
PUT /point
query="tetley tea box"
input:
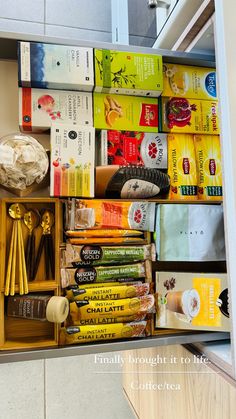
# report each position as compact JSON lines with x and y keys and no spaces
{"x":51,"y":66}
{"x":38,"y":108}
{"x":189,"y":81}
{"x":192,"y":301}
{"x":122,"y":112}
{"x":72,"y":160}
{"x":128,"y":73}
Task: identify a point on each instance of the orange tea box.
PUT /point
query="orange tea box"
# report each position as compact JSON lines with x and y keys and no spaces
{"x":182,"y":167}
{"x":193,"y":116}
{"x":121,"y":112}
{"x":208,"y":160}
{"x":189,"y":81}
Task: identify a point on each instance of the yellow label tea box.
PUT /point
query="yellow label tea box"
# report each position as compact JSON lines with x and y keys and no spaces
{"x":48,"y":66}
{"x":192,"y":301}
{"x":189,"y":81}
{"x":121,"y":112}
{"x":128,"y":73}
{"x":193,"y":116}
{"x":38,"y":108}
{"x":182,"y":167}
{"x":208,"y":159}
{"x":72,"y":160}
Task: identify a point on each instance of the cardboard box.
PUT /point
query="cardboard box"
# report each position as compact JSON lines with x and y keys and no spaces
{"x":128,"y":73}
{"x":51,"y":66}
{"x":182,"y":167}
{"x":189,"y":81}
{"x":193,"y":116}
{"x":208,"y":160}
{"x":192,"y":301}
{"x":72,"y":160}
{"x":38,"y":108}
{"x":120,"y":112}
{"x":131,"y":148}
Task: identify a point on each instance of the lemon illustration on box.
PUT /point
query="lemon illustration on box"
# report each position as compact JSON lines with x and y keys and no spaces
{"x":128,"y":73}
{"x":123,"y":112}
{"x":189,"y":81}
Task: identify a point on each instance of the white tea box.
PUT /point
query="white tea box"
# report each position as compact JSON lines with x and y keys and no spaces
{"x":72,"y":160}
{"x":38,"y":108}
{"x":51,"y":66}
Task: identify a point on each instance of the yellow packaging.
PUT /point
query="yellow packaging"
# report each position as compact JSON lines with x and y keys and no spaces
{"x":121,"y":112}
{"x":189,"y":81}
{"x":76,"y":334}
{"x":109,"y":320}
{"x":208,"y":160}
{"x":182,"y":167}
{"x":192,"y":116}
{"x":111,"y":308}
{"x":109,"y":293}
{"x":103,"y":233}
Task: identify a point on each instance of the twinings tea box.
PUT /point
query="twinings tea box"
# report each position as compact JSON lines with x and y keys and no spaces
{"x":191,"y":116}
{"x":189,"y":81}
{"x":51,"y":66}
{"x":182,"y":167}
{"x":128,"y":73}
{"x":132,"y":148}
{"x":38,"y":108}
{"x":208,"y":159}
{"x":192,"y":301}
{"x":120,"y":112}
{"x":72,"y":160}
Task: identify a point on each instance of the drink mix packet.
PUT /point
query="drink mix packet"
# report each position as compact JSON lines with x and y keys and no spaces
{"x":96,"y":214}
{"x":102,"y":255}
{"x":89,"y":274}
{"x":81,"y":334}
{"x":91,"y":309}
{"x":109,"y":293}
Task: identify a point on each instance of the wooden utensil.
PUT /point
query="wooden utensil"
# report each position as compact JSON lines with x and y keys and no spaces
{"x":31,"y":220}
{"x":16,"y":253}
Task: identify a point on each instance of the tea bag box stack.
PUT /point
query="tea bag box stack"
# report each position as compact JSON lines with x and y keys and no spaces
{"x":41,"y":109}
{"x":189,"y":114}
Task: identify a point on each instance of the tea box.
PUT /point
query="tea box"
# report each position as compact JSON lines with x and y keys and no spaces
{"x":128,"y":73}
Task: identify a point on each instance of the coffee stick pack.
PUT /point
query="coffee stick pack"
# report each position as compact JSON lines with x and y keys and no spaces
{"x":102,"y":255}
{"x":97,"y":274}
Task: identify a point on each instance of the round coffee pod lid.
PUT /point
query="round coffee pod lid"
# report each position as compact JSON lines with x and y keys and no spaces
{"x":57,"y":309}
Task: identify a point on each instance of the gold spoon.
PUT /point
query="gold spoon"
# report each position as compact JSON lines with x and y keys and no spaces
{"x":31,"y":220}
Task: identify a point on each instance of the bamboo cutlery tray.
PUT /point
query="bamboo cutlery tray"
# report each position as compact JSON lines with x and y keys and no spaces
{"x":18,"y":333}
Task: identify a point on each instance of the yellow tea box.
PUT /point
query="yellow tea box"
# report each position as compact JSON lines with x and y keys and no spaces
{"x":208,"y":159}
{"x":193,"y":116}
{"x":121,"y":112}
{"x":189,"y":81}
{"x":182,"y":167}
{"x":72,"y":160}
{"x":128,"y":73}
{"x":192,"y":301}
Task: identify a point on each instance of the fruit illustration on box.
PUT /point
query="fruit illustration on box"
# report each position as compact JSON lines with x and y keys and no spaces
{"x":112,"y":109}
{"x":178,"y":80}
{"x":179,"y":112}
{"x":47,"y":103}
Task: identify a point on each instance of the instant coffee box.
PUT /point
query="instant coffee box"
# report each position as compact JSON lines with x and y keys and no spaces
{"x":192,"y":301}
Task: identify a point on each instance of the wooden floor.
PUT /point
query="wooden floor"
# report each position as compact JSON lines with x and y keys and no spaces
{"x":181,"y":390}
